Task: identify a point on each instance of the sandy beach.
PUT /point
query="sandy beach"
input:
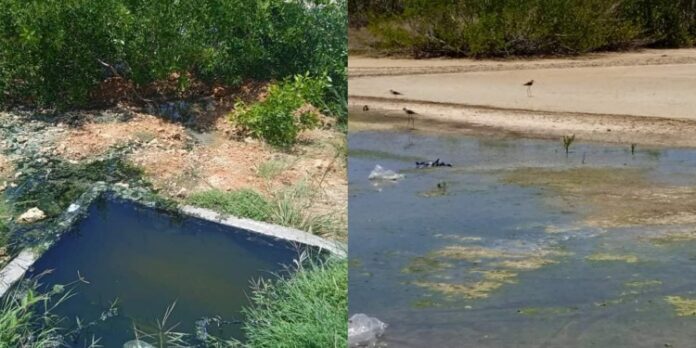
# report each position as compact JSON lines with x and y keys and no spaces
{"x":642,"y":97}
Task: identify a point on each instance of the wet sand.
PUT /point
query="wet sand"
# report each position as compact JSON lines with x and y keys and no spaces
{"x":644,"y":98}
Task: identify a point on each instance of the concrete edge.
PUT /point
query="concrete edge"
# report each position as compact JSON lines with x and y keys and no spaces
{"x":267,"y":229}
{"x":15,"y":270}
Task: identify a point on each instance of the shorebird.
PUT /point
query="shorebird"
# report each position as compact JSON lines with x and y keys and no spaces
{"x":529,"y":87}
{"x":411,"y":118}
{"x":395,"y":92}
{"x":366,"y":108}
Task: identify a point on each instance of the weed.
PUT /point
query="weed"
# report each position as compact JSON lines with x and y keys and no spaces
{"x":270,"y":169}
{"x":309,"y":309}
{"x":144,"y":136}
{"x":162,"y":335}
{"x":633,"y":149}
{"x":286,"y":207}
{"x":26,"y":318}
{"x":567,"y":141}
{"x":290,"y":208}
{"x":243,"y":203}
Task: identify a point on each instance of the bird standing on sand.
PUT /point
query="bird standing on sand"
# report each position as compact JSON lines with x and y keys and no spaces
{"x":411,"y":118}
{"x":395,"y":92}
{"x":529,"y":87}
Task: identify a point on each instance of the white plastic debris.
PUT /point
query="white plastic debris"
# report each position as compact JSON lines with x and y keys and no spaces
{"x":137,"y":344}
{"x":73,"y":208}
{"x":380,"y":173}
{"x":363,"y":330}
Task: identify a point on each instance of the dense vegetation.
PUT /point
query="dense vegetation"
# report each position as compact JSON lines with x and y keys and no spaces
{"x":58,"y":52}
{"x":510,"y":27}
{"x":308,"y":310}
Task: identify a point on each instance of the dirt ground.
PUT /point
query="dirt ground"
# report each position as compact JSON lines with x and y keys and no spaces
{"x":640,"y":97}
{"x":180,"y":162}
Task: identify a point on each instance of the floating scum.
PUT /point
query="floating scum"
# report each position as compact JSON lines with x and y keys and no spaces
{"x":524,"y":237}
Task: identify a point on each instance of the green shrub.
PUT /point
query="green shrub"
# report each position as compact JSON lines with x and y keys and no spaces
{"x":279,"y":118}
{"x":310,"y":309}
{"x":52,"y":52}
{"x":509,"y":27}
{"x":243,"y":203}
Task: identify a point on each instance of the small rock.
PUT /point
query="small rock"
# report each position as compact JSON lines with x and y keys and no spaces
{"x":182,"y":193}
{"x":32,"y":215}
{"x":73,"y":208}
{"x":122,"y":185}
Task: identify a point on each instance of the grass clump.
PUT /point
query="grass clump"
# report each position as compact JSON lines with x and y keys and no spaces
{"x":309,"y":309}
{"x":567,"y":141}
{"x":272,"y":168}
{"x":282,"y":116}
{"x":26,"y":319}
{"x":245,"y":203}
{"x":286,"y":207}
{"x":5,"y":215}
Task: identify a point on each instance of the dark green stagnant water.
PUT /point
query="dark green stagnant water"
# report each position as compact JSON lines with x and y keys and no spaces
{"x":391,"y":224}
{"x":147,"y":260}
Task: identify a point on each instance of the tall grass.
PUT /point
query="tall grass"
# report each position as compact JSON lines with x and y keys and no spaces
{"x":244,"y":203}
{"x":163,"y":334}
{"x":287,"y":207}
{"x":308,"y":309}
{"x":26,"y":318}
{"x":5,"y":215}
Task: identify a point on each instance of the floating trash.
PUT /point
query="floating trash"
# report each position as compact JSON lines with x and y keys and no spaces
{"x":432,"y":164}
{"x":380,"y":173}
{"x":363,"y":330}
{"x":73,"y":208}
{"x":137,"y":344}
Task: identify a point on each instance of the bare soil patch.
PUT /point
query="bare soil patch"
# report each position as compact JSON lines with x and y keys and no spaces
{"x":179,"y":162}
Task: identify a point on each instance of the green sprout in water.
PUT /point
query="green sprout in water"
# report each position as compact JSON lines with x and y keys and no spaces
{"x":633,"y":149}
{"x":567,"y":141}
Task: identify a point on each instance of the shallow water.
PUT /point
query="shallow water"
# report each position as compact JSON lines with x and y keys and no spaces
{"x":146,"y":260}
{"x":570,"y":302}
